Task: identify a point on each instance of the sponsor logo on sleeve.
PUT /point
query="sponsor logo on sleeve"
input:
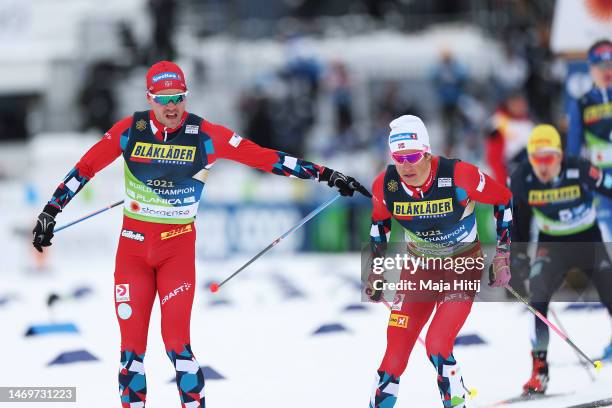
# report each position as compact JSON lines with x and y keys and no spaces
{"x":122,"y":292}
{"x":398,"y":301}
{"x":481,"y":182}
{"x":129,"y":234}
{"x":235,"y":140}
{"x":398,"y":320}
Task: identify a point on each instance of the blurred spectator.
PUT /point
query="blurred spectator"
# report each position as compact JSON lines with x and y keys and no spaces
{"x":297,"y":112}
{"x":544,"y":85}
{"x":259,"y":122}
{"x":507,"y":136}
{"x":97,"y":97}
{"x":13,"y":117}
{"x":509,"y":72}
{"x":164,"y":27}
{"x":449,"y":79}
{"x":388,"y":106}
{"x":128,"y":41}
{"x":340,"y":86}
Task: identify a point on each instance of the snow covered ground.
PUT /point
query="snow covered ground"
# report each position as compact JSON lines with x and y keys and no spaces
{"x":257,"y":332}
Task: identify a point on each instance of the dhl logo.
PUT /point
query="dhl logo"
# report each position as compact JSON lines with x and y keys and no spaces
{"x":149,"y":151}
{"x":175,"y":232}
{"x":555,"y":195}
{"x":423,"y":208}
{"x":597,"y":112}
{"x":398,"y":320}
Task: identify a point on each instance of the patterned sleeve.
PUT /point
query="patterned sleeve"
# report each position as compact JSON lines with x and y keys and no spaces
{"x":229,"y":145}
{"x":97,"y":157}
{"x":380,"y":230}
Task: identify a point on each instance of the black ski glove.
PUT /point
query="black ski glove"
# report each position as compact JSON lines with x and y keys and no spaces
{"x":43,"y":231}
{"x":346,"y":185}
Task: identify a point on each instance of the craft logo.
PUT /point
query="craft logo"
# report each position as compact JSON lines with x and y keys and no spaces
{"x":141,"y":125}
{"x":165,"y":75}
{"x":175,"y":232}
{"x":136,"y":236}
{"x":423,"y":208}
{"x":122,"y":292}
{"x":598,"y":112}
{"x":555,"y":195}
{"x":398,"y":320}
{"x":392,"y":186}
{"x":183,"y":288}
{"x":163,"y":154}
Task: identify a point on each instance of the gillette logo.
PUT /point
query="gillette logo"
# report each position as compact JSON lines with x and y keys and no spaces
{"x":165,"y":75}
{"x":136,"y":236}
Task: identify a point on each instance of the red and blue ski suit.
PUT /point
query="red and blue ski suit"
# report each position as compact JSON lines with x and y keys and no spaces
{"x":165,"y":172}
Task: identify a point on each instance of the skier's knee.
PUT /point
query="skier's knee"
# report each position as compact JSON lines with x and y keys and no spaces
{"x":438,"y":346}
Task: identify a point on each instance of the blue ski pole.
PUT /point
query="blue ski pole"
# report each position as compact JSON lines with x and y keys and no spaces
{"x":83,"y":218}
{"x":215,"y":286}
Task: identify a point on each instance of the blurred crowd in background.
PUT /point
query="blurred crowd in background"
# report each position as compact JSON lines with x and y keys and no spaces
{"x":282,"y":108}
{"x":318,"y":79}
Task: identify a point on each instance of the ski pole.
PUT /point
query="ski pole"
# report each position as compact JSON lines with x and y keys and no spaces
{"x":597,"y":363}
{"x":83,"y":218}
{"x":215,"y":286}
{"x":472,"y":392}
{"x":580,"y":359}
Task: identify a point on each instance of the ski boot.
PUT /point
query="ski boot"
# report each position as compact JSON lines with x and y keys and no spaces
{"x":385,"y":391}
{"x":539,"y":375}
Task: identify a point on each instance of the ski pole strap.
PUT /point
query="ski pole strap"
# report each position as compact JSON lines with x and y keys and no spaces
{"x":83,"y":218}
{"x":596,"y":364}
